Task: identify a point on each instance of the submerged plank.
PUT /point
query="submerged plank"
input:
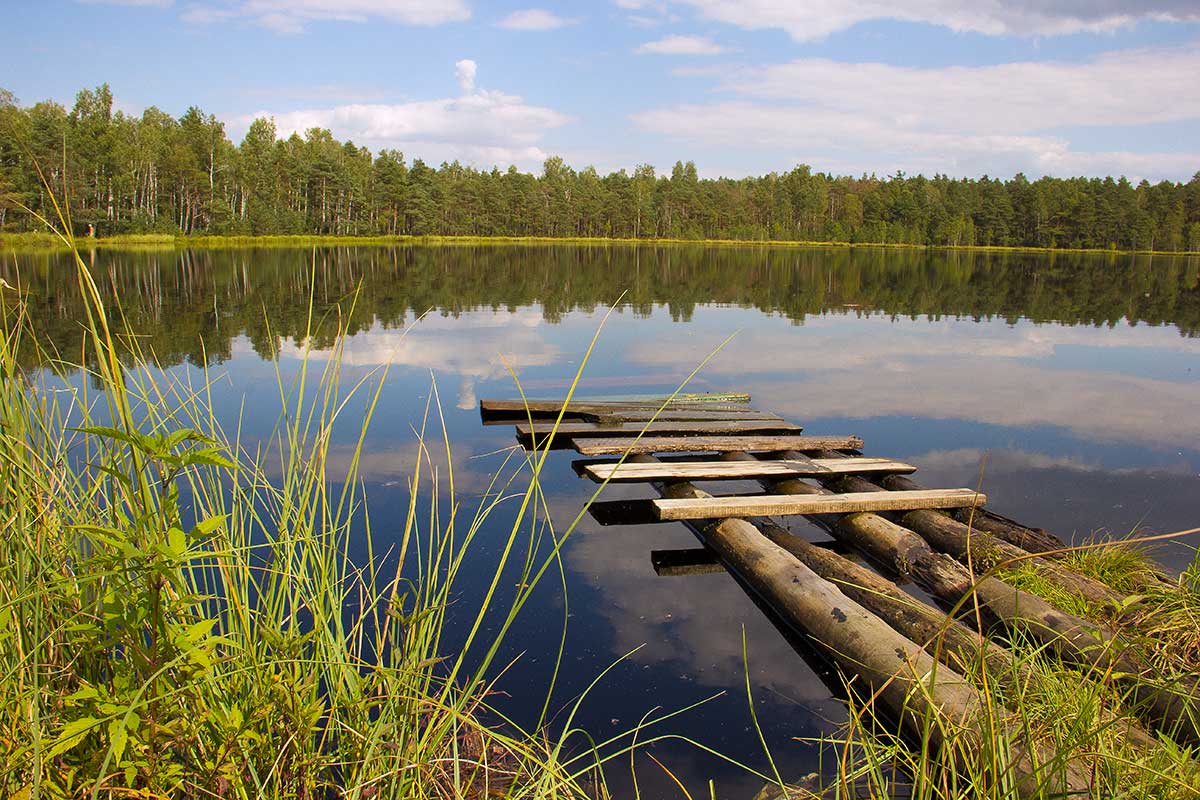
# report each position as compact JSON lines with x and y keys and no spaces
{"x":692,"y":561}
{"x":616,"y":446}
{"x":573,"y":429}
{"x":737,"y":470}
{"x":772,"y":505}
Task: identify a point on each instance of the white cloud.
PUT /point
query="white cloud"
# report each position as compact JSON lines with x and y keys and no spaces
{"x":682,"y":46}
{"x":982,"y":372}
{"x":481,"y":127}
{"x":961,"y":120}
{"x":464,"y":73}
{"x":534,"y":19}
{"x":1148,"y":86}
{"x":477,"y":346}
{"x":290,"y":16}
{"x":805,"y":21}
{"x":850,"y":143}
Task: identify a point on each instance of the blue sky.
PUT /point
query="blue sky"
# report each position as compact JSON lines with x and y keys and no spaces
{"x":1075,"y":87}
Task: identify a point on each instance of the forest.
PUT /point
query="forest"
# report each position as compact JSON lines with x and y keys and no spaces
{"x":192,"y":303}
{"x":157,"y":174}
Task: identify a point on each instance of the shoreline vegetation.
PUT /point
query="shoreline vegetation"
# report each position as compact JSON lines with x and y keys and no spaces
{"x":181,"y":615}
{"x":159,"y":174}
{"x":184,"y":613}
{"x":33,"y":242}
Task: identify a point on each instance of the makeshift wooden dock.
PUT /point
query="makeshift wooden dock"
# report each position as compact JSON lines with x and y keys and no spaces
{"x":944,"y":541}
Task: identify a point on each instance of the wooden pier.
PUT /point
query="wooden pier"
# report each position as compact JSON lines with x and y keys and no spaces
{"x":908,"y":653}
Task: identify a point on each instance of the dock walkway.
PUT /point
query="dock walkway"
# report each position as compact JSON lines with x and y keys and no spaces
{"x":908,"y":653}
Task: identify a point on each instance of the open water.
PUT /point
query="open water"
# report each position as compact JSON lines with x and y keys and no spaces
{"x":1068,"y":385}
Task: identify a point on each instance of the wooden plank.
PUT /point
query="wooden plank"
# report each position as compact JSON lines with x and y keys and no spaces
{"x":772,"y":505}
{"x":672,"y":415}
{"x":606,"y":416}
{"x":616,"y":446}
{"x":735,"y":399}
{"x":692,"y":561}
{"x":688,"y":427}
{"x":738,"y":470}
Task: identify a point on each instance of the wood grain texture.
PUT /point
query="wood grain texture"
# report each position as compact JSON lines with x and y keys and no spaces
{"x":731,"y":400}
{"x":674,"y":415}
{"x":615,"y":446}
{"x":766,"y":506}
{"x":682,"y":427}
{"x":738,"y":470}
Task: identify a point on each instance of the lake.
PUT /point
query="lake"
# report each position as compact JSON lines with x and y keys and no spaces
{"x":1067,"y":385}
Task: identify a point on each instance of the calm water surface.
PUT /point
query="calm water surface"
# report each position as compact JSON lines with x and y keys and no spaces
{"x":1071,"y":383}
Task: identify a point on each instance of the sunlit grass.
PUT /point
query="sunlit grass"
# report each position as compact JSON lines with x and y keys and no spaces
{"x":181,"y":613}
{"x":33,"y":241}
{"x":1081,"y":717}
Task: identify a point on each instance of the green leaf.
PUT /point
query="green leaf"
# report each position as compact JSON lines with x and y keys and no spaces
{"x":115,"y":474}
{"x":177,"y":543}
{"x":132,"y":438}
{"x":118,"y":737}
{"x":198,"y":630}
{"x":210,"y":456}
{"x":72,"y":734}
{"x":85,"y":693}
{"x":174,"y":438}
{"x":109,"y":536}
{"x":205,"y":527}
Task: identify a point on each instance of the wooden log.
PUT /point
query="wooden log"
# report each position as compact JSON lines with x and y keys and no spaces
{"x":678,"y":427}
{"x":954,"y":643}
{"x":1033,"y":540}
{"x":1073,"y":640}
{"x":907,"y":681}
{"x":984,"y":551}
{"x":739,"y":470}
{"x":713,"y":444}
{"x":766,"y":506}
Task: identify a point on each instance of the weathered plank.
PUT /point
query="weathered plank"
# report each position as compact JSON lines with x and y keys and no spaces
{"x":865,"y":646}
{"x":613,"y":416}
{"x":610,"y":403}
{"x":682,"y":427}
{"x":692,"y":561}
{"x":615,"y":446}
{"x":738,"y":470}
{"x":674,"y":415}
{"x":771,"y":505}
{"x":1076,"y":641}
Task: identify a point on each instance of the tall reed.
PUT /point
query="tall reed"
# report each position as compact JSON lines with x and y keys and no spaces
{"x":182,"y":613}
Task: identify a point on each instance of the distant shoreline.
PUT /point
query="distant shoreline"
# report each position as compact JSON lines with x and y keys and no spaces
{"x":20,"y":242}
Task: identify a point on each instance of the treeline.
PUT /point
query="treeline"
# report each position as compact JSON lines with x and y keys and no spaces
{"x":159,"y":174}
{"x":192,"y":304}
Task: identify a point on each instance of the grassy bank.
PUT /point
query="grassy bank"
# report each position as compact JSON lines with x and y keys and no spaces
{"x":1070,"y":716}
{"x":181,"y":614}
{"x":38,"y":241}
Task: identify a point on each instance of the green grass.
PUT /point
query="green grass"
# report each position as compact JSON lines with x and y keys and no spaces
{"x":39,"y":241}
{"x":180,"y":614}
{"x":1066,"y":715}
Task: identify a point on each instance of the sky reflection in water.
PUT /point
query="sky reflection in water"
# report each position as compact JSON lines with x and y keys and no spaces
{"x":1089,"y":424}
